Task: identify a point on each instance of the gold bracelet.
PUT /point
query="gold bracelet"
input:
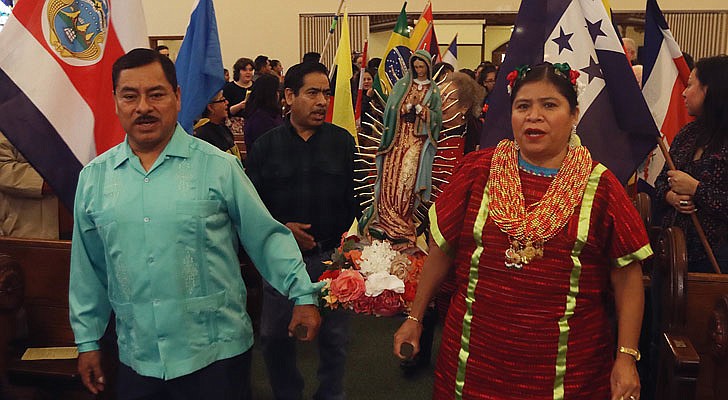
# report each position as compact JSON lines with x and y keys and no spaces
{"x":414,"y":319}
{"x":632,"y":352}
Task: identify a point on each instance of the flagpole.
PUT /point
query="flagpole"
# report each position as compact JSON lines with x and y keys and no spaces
{"x":360,"y":91}
{"x":693,"y":216}
{"x":332,"y":29}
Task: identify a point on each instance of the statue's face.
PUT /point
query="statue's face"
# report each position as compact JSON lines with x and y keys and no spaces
{"x":420,"y":69}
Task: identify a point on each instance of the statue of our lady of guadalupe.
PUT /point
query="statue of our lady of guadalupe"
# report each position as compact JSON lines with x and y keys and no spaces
{"x":412,"y":123}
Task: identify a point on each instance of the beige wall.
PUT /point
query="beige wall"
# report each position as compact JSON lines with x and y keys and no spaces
{"x":252,"y":27}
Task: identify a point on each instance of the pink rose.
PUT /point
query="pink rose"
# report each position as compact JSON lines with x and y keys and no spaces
{"x":348,"y":286}
{"x":363,"y":305}
{"x":387,"y":304}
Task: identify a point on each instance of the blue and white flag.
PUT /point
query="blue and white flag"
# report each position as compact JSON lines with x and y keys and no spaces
{"x":451,"y":55}
{"x":199,"y":63}
{"x":614,"y":123}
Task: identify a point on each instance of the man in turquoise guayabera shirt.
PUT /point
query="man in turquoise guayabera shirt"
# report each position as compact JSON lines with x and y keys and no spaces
{"x":157,"y":222}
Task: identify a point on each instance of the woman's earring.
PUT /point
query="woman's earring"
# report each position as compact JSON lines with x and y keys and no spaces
{"x":515,"y":144}
{"x":574,"y":140}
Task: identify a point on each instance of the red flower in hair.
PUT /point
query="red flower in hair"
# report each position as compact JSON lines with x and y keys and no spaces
{"x":512,"y":78}
{"x":573,"y":75}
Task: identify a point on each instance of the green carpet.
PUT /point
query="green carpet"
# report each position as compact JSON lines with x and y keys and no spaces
{"x":372,"y":371}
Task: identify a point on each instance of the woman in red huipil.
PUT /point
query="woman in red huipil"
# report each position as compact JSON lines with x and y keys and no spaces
{"x":544,"y":242}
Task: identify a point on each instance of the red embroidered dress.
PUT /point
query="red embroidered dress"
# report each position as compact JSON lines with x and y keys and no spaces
{"x":542,"y":332}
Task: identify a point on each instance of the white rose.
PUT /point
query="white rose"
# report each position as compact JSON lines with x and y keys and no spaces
{"x":381,"y":281}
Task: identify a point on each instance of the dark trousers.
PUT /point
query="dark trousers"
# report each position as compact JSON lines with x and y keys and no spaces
{"x":279,"y":350}
{"x":704,"y":265}
{"x":227,"y":379}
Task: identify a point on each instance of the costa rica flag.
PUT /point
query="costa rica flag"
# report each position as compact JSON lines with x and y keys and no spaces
{"x":56,"y":103}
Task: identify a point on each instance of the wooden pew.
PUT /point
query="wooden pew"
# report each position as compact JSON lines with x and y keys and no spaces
{"x":718,"y":327}
{"x":687,"y":368}
{"x":11,"y":298}
{"x":643,"y":204}
{"x":45,"y":266}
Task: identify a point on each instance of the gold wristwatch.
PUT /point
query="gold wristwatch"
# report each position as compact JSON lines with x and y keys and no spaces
{"x":632,"y":352}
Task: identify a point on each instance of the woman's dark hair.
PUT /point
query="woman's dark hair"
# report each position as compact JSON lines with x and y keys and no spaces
{"x":487,"y":69}
{"x":240,"y":65}
{"x":712,"y":72}
{"x":546,"y":72}
{"x":467,"y":71}
{"x":264,"y":95}
{"x":689,"y":60}
{"x":311,"y":56}
{"x":441,"y":69}
{"x":260,"y":62}
{"x":373,"y":64}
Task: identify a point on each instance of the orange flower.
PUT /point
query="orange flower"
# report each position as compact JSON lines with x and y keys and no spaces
{"x":354,"y":256}
{"x":418,"y":261}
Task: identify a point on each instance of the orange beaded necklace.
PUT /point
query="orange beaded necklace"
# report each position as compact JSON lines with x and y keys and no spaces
{"x":528,"y":229}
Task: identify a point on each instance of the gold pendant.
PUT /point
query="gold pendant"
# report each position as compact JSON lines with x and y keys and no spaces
{"x":522,"y":253}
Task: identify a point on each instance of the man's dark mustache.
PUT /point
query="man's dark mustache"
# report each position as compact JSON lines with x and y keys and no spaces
{"x":145,"y":119}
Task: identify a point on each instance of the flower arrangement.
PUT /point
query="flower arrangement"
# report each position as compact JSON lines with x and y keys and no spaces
{"x":371,"y":278}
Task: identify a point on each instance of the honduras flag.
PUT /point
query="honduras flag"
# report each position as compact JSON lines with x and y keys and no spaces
{"x":56,"y":102}
{"x":615,"y":123}
{"x":665,"y":76}
{"x":199,"y":63}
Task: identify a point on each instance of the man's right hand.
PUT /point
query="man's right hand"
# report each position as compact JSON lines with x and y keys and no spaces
{"x":89,"y":366}
{"x":304,"y":239}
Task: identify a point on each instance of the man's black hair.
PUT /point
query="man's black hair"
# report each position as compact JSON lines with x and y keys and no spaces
{"x":139,"y":58}
{"x":295,"y":74}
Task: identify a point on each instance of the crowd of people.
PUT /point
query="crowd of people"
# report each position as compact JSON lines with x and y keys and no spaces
{"x":542,"y":243}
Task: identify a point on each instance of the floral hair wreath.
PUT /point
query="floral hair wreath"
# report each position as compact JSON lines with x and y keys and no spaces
{"x":562,"y":69}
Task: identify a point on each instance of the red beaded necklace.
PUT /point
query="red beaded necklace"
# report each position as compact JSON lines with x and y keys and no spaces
{"x":529,"y":228}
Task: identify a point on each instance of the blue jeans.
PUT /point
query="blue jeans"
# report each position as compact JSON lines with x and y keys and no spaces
{"x":279,"y":350}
